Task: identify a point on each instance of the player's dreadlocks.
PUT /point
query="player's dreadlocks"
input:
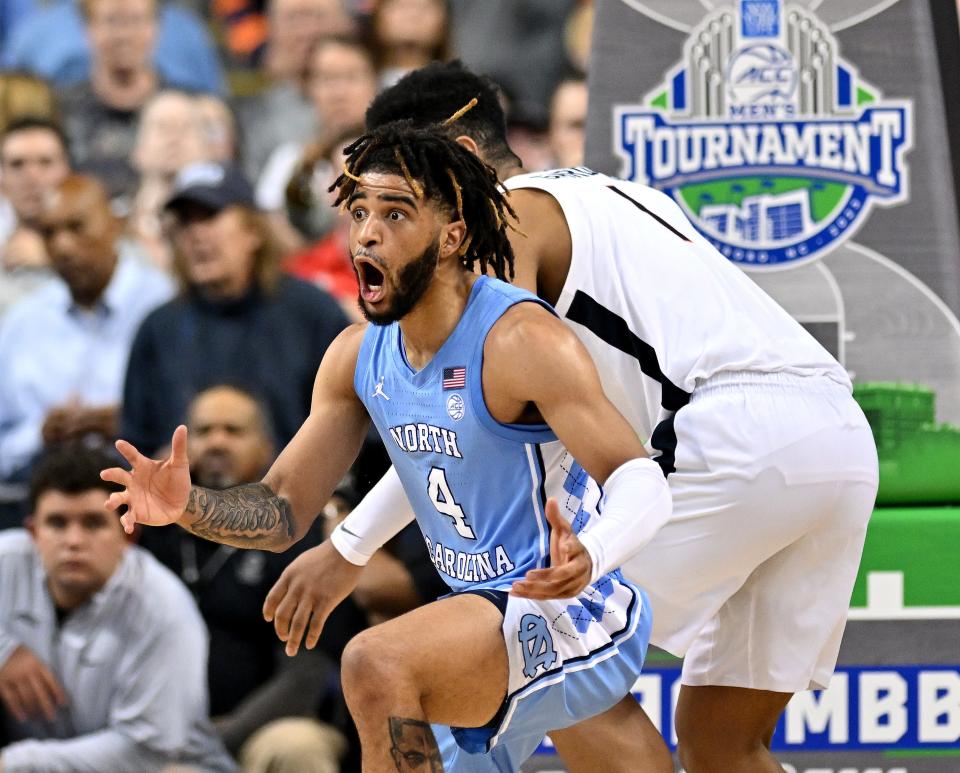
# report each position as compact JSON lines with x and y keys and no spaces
{"x":439,"y":169}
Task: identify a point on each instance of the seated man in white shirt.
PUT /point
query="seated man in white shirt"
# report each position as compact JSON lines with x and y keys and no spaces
{"x":64,"y":348}
{"x":102,"y":650}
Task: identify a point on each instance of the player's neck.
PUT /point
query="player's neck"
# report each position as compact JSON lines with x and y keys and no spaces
{"x":509,"y":169}
{"x":435,"y":317}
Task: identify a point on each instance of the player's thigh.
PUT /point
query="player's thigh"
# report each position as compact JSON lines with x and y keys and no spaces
{"x":723,"y":528}
{"x":780,"y":631}
{"x":451,"y":652}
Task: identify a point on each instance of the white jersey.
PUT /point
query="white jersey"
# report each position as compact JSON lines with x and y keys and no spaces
{"x":658,"y":307}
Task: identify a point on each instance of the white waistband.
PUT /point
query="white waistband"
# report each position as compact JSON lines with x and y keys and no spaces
{"x":735,"y":380}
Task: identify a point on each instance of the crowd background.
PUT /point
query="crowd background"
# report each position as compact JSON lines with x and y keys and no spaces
{"x":168,"y":254}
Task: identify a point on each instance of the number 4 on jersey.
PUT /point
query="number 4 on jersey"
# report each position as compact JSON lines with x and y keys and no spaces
{"x":442,"y":498}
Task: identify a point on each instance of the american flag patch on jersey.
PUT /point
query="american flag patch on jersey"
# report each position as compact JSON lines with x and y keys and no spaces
{"x":454,"y":378}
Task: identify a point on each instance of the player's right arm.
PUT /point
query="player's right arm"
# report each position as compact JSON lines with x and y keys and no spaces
{"x":272,"y":514}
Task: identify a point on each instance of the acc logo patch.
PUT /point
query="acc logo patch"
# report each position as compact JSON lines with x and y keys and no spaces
{"x":766,"y":137}
{"x":455,"y":407}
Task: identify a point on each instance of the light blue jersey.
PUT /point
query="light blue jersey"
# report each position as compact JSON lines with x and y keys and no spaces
{"x":477,"y":486}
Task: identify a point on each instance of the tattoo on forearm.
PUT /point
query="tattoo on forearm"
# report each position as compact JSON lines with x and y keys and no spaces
{"x":413,"y":746}
{"x":250,"y":516}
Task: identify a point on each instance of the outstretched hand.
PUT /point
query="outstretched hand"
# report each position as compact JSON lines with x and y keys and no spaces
{"x":307,"y":592}
{"x":570,"y":564}
{"x":156,"y":491}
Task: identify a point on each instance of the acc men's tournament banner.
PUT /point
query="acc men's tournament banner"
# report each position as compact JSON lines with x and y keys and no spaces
{"x":808,"y":141}
{"x":770,"y":141}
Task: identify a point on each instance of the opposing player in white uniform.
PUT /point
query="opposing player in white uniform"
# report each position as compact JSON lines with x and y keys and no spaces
{"x":771,"y":463}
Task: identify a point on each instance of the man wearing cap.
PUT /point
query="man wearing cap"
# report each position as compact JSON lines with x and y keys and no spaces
{"x":237,"y":319}
{"x":63,"y":348}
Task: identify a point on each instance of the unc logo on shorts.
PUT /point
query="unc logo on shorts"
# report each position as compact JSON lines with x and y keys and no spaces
{"x":536,"y":643}
{"x":769,"y":141}
{"x":455,"y":407}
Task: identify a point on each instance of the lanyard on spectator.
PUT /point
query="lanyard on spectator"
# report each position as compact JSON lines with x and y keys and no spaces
{"x":198,"y":577}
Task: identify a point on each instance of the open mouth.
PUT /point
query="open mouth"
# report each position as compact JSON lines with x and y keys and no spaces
{"x":371,"y":280}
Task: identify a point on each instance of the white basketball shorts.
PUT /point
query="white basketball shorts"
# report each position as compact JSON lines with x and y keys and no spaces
{"x":750,"y":580}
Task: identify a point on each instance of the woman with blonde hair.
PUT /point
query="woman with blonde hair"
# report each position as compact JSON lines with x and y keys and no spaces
{"x":22,"y":95}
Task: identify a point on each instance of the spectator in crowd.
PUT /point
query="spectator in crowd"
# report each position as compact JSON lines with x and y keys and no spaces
{"x":251,"y":682}
{"x":578,"y":35}
{"x":48,"y":37}
{"x":532,"y":30}
{"x":22,"y":94}
{"x":11,"y":13}
{"x":568,"y":122}
{"x":221,"y":134}
{"x":237,"y":319}
{"x":102,"y":650}
{"x":342,"y":82}
{"x":102,"y":112}
{"x":327,"y":262}
{"x":529,"y":141}
{"x":171,"y":135}
{"x":283,"y":112}
{"x":63,"y":348}
{"x":407,"y":35}
{"x":33,"y":161}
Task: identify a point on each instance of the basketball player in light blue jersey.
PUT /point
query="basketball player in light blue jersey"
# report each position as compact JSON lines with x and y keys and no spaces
{"x":769,"y":459}
{"x":480,"y":394}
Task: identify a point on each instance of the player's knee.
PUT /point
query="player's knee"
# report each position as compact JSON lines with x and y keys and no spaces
{"x":698,"y":746}
{"x":712,"y":750}
{"x":371,"y":671}
{"x":691,"y":757}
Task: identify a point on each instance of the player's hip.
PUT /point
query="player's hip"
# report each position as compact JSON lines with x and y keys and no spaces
{"x":739,"y":425}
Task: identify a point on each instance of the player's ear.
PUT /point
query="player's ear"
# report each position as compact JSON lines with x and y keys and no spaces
{"x":452,"y":238}
{"x":468,"y":142}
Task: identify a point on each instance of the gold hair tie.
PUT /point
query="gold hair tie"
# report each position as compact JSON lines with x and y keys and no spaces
{"x":461,"y":112}
{"x":417,"y":188}
{"x":456,"y":190}
{"x":348,"y":173}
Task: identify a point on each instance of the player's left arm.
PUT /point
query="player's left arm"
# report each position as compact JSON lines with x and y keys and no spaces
{"x":531,"y":357}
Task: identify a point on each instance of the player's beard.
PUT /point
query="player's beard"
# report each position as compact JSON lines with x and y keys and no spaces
{"x":412,"y":282}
